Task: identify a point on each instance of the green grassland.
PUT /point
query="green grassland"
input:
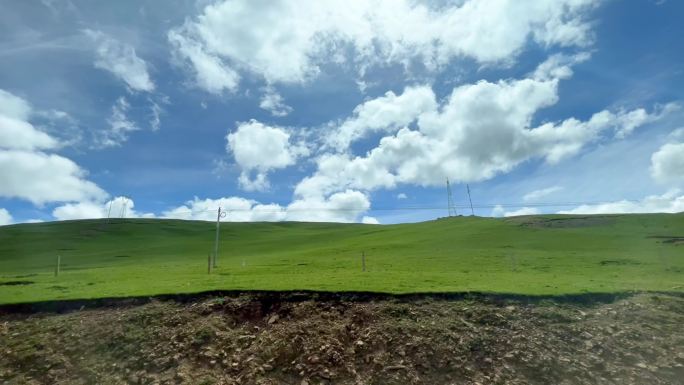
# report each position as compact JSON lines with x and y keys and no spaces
{"x":547,"y":255}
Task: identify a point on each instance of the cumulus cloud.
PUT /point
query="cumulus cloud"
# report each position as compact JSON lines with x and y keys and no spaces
{"x":370,"y":220}
{"x":26,"y":171}
{"x":5,"y":217}
{"x":346,"y":206}
{"x":14,"y":107}
{"x":118,"y":207}
{"x":121,"y":60}
{"x":281,"y":41}
{"x":40,"y":178}
{"x":387,"y":113}
{"x":480,"y":130}
{"x":559,"y":66}
{"x":238,"y":209}
{"x":499,"y":211}
{"x":669,"y":202}
{"x":541,"y":193}
{"x":272,"y":102}
{"x":667,"y":164}
{"x":629,"y":120}
{"x":401,"y":196}
{"x":15,"y":130}
{"x":258,"y":148}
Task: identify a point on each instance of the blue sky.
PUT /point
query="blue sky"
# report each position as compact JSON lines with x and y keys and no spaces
{"x":341,"y":110}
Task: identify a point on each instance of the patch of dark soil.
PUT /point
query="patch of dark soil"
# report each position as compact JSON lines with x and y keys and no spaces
{"x":669,"y":239}
{"x":618,"y":262}
{"x":565,"y":222}
{"x":16,"y":283}
{"x":304,"y":339}
{"x":22,"y":276}
{"x":63,"y":306}
{"x":58,"y":287}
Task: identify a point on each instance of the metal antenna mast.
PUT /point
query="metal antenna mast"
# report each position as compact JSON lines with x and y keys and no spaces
{"x":121,"y":213}
{"x":450,"y":200}
{"x":472,"y":212}
{"x":123,"y":209}
{"x":109,"y":212}
{"x":220,"y":215}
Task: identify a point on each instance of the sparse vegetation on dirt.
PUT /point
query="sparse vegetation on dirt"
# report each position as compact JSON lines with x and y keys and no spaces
{"x":299,"y":339}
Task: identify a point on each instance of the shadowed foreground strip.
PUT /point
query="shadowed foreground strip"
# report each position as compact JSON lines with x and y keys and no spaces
{"x":256,"y":339}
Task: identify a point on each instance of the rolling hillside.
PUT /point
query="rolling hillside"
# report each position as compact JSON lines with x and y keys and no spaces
{"x":522,"y":255}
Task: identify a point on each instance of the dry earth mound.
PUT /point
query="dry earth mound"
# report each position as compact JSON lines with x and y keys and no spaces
{"x":308,"y":339}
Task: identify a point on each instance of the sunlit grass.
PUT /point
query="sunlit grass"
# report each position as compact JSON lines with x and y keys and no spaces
{"x":527,"y":255}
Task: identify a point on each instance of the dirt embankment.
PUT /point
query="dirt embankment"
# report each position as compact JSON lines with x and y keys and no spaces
{"x":258,"y":339}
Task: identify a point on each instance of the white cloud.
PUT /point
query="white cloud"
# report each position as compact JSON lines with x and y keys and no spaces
{"x":30,"y":174}
{"x":479,"y":131}
{"x":539,"y":194}
{"x":272,"y":102}
{"x":627,"y":121}
{"x":387,"y":113}
{"x":14,"y":107}
{"x":238,"y":210}
{"x":559,"y":66}
{"x":667,"y":164}
{"x":5,"y":217}
{"x":156,"y":110}
{"x":370,"y":220}
{"x":17,"y":133}
{"x":283,"y":41}
{"x":260,"y":148}
{"x":402,"y":196}
{"x":669,"y":202}
{"x":346,"y":206}
{"x":81,"y":210}
{"x":210,"y":73}
{"x":677,"y":134}
{"x":119,"y":125}
{"x":118,"y":207}
{"x":121,"y":60}
{"x":499,"y":211}
{"x":41,"y":178}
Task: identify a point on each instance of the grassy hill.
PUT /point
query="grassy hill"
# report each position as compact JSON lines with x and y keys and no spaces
{"x":550,"y":254}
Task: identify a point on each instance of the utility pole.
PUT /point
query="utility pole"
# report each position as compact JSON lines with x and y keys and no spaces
{"x":220,"y":215}
{"x":450,"y":200}
{"x":472,"y":212}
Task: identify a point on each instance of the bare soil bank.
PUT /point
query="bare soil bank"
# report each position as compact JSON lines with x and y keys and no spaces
{"x":300,"y":339}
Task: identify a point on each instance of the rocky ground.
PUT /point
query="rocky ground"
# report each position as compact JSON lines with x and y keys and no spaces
{"x":346,"y":339}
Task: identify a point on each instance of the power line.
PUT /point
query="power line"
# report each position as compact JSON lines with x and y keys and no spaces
{"x":405,"y":208}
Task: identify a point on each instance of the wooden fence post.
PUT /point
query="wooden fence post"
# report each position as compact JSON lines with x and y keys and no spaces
{"x":363,"y":261}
